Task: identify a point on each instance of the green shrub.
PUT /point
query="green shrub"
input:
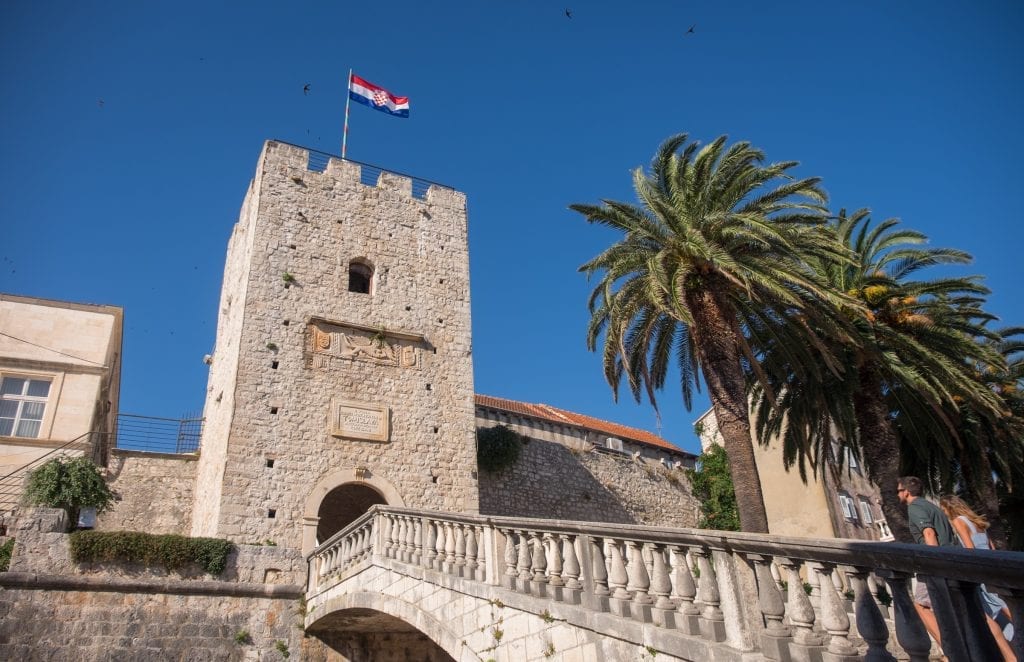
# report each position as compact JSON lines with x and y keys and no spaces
{"x":282,"y":648}
{"x":712,"y":486}
{"x":5,"y":555}
{"x":497,"y":448}
{"x":68,"y":483}
{"x":169,"y":551}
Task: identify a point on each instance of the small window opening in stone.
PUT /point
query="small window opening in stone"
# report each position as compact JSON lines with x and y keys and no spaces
{"x":435,"y":350}
{"x":271,"y":514}
{"x":287,"y":286}
{"x":286,"y":322}
{"x":273,"y":365}
{"x":428,"y":387}
{"x":433,"y":479}
{"x":408,"y":307}
{"x":270,"y":463}
{"x":436,"y":429}
{"x":440,"y":320}
{"x":291,"y":246}
{"x":273,"y":410}
{"x":360,"y":275}
{"x":441,"y":281}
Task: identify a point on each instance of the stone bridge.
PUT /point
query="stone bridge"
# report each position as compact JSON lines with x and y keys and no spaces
{"x":404,"y":584}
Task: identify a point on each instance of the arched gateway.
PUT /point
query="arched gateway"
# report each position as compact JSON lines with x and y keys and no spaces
{"x":338,"y":499}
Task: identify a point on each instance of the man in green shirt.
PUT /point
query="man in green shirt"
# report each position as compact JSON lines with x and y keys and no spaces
{"x":929,"y":526}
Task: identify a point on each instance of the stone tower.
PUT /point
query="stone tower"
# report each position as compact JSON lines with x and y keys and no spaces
{"x":342,"y":375}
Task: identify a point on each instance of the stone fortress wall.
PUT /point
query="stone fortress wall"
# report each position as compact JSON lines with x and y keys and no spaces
{"x":325,"y":380}
{"x":552,"y":481}
{"x":153,"y":492}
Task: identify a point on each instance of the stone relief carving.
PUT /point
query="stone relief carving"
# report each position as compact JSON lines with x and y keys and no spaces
{"x":332,"y":342}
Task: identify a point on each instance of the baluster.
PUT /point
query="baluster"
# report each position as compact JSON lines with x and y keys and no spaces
{"x":639,"y":582}
{"x":404,"y":553}
{"x":523,"y":563}
{"x":482,"y":558}
{"x":410,"y":539}
{"x":460,"y":550}
{"x":538,"y":565}
{"x":471,"y":552}
{"x":776,"y":636}
{"x":800,"y":612}
{"x":357,"y":552}
{"x":686,"y":591}
{"x":870,"y":622}
{"x":910,"y":631}
{"x":618,"y":579}
{"x":661,"y":587}
{"x":449,"y":547}
{"x":391,"y":537}
{"x":417,"y":540}
{"x":439,"y":545}
{"x":570,"y":563}
{"x":598,"y":567}
{"x":510,"y":558}
{"x":555,"y":567}
{"x":833,"y":616}
{"x":712,"y":622}
{"x":570,"y":591}
{"x":429,"y":551}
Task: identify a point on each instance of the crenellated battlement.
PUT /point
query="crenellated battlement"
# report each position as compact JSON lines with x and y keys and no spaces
{"x":365,"y":174}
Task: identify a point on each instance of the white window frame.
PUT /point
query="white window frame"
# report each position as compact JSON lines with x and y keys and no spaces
{"x":865,"y":511}
{"x":849,"y":507}
{"x":23,"y":398}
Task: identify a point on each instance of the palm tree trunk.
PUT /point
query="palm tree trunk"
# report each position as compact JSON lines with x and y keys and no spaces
{"x":880,"y":448}
{"x":718,"y":349}
{"x":983,"y":495}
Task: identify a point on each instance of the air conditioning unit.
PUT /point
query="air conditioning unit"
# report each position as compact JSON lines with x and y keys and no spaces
{"x":614,"y":444}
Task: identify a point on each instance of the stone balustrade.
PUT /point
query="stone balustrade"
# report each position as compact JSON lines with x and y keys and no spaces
{"x":789,"y":598}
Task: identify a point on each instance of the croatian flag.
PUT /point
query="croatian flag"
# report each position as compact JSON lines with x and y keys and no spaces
{"x":368,"y":94}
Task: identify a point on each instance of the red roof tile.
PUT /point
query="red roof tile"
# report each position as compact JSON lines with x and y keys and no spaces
{"x":556,"y":415}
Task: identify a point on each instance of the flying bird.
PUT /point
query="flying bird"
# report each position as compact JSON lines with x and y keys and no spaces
{"x":690,"y":31}
{"x":305,"y":89}
{"x":568,"y":13}
{"x":99,"y":102}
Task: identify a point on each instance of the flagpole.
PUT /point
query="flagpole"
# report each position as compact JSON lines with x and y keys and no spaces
{"x":348,"y":99}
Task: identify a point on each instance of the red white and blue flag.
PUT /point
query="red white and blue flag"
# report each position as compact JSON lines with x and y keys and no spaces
{"x":376,"y":97}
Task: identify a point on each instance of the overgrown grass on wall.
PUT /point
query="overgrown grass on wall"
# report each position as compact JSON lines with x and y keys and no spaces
{"x":168,"y":551}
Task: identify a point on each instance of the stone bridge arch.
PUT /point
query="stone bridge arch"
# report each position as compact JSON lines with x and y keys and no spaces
{"x":361,"y":486}
{"x":341,"y":619}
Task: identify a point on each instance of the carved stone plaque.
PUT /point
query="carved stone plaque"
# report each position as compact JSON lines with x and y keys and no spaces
{"x":337,"y":342}
{"x":359,"y":420}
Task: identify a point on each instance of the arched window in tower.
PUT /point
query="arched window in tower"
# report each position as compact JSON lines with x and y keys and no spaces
{"x":360,"y":276}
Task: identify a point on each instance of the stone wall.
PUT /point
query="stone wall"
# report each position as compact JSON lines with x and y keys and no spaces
{"x":153,"y":491}
{"x":553,"y":482}
{"x":305,"y":346}
{"x":54,"y":609}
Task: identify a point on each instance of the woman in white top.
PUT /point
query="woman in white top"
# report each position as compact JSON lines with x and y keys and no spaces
{"x":971,"y":528}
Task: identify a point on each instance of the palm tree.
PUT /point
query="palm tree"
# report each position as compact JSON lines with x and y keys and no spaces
{"x":908,"y":368}
{"x":717,"y":237}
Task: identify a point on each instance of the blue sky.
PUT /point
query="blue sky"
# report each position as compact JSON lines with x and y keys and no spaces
{"x":129,"y":132}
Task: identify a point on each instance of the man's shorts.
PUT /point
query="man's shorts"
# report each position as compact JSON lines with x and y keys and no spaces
{"x":921,"y":595}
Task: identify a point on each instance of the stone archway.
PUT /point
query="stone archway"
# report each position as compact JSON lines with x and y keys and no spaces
{"x":341,"y":492}
{"x":377,"y":626}
{"x":342,"y":506}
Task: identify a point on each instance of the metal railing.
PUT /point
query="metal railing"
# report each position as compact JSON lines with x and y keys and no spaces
{"x":159,"y":435}
{"x":368,"y":173}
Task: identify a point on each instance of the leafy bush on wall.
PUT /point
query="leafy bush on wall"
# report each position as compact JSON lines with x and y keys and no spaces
{"x":497,"y":448}
{"x":169,"y":551}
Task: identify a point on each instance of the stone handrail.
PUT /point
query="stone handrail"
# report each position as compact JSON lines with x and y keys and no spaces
{"x":747,"y":591}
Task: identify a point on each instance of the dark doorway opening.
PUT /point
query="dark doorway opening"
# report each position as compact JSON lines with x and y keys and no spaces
{"x":342,"y":506}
